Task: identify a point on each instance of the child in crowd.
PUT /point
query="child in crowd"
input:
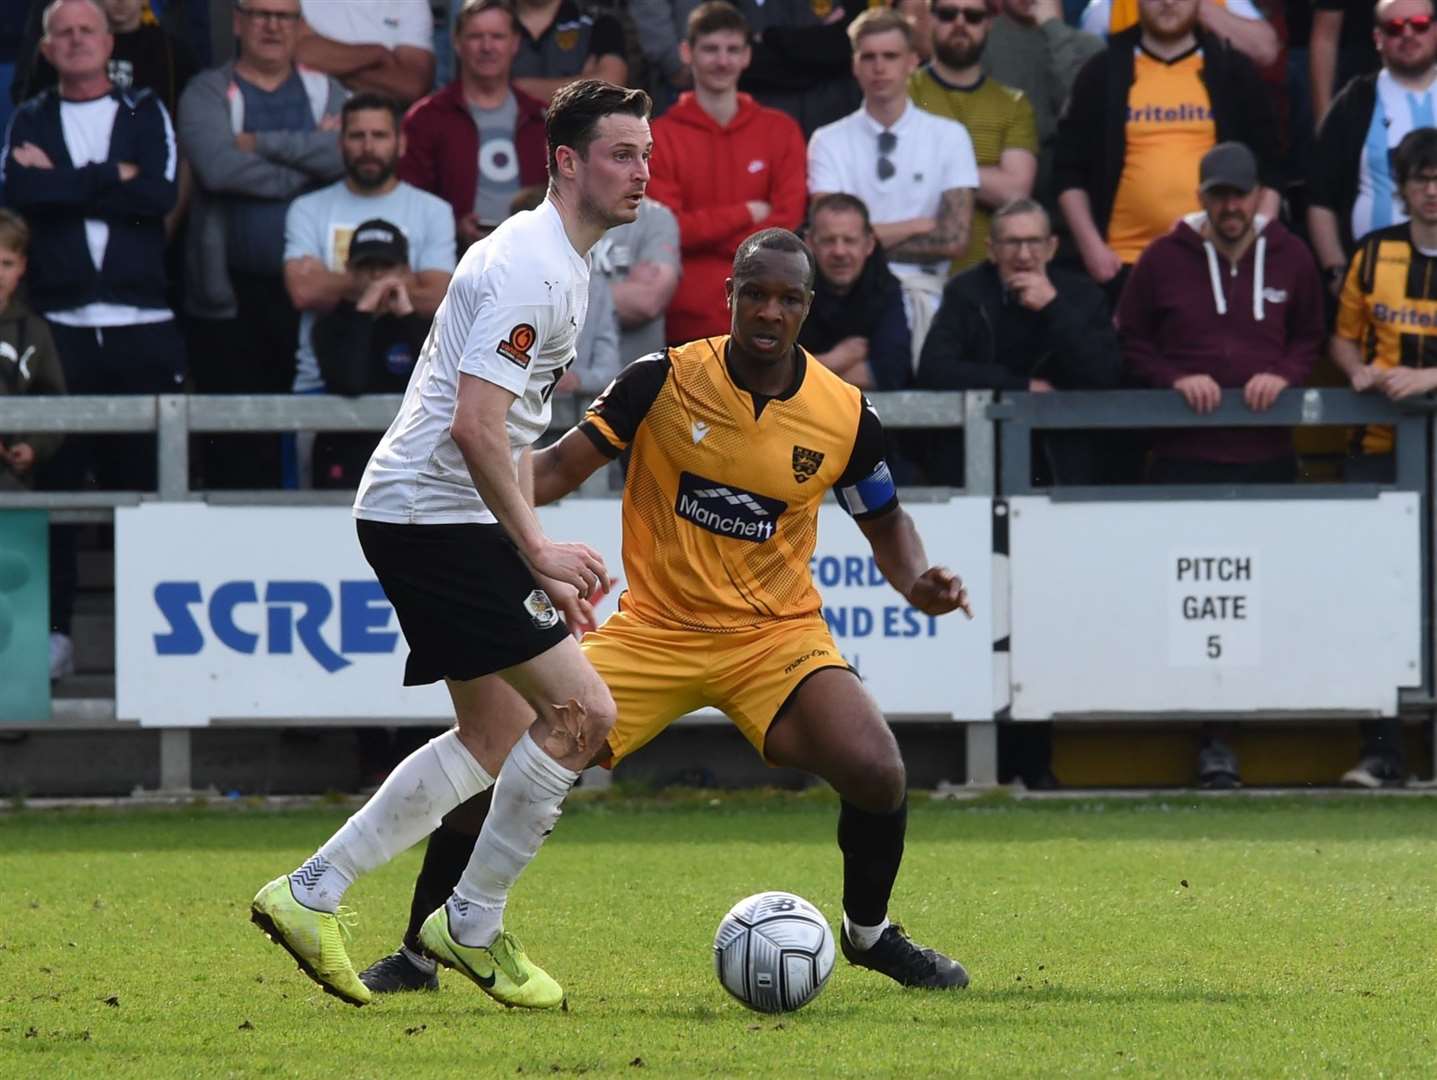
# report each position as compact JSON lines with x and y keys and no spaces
{"x":29,"y":363}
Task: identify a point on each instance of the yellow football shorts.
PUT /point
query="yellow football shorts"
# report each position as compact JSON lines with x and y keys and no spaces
{"x":658,"y":675}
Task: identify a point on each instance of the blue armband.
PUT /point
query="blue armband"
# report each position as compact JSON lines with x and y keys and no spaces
{"x":874,"y":492}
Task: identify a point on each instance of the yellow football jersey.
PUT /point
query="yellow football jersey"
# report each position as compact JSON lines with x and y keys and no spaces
{"x":1389,"y":308}
{"x":721,"y":498}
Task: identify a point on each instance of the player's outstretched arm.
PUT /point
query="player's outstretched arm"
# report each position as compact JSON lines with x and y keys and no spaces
{"x":480,"y":433}
{"x":898,"y":550}
{"x":560,"y":469}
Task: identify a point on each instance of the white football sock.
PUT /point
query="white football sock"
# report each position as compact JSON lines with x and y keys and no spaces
{"x":423,"y":787}
{"x":863,"y":937}
{"x":527,"y":795}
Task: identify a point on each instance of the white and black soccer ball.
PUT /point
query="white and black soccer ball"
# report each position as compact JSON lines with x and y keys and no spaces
{"x":773,"y":951}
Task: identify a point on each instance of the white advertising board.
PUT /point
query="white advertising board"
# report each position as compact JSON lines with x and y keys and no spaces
{"x":1214,"y":607}
{"x":272,"y":613}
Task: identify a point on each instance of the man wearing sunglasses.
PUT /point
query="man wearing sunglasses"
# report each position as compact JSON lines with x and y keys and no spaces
{"x":998,"y":118}
{"x":1353,"y":187}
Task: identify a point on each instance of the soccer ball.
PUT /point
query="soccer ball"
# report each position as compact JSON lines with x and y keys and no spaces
{"x":773,"y":951}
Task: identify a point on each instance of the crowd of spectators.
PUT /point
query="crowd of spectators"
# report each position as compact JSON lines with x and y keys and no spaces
{"x":1015,"y":195}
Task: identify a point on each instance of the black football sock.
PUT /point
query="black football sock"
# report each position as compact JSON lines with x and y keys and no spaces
{"x":872,"y":846}
{"x":445,"y":858}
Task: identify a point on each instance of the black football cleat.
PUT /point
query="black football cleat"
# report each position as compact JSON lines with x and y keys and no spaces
{"x":899,"y":957}
{"x":396,"y":972}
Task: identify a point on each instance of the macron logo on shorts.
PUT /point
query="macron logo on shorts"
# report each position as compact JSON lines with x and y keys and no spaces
{"x":727,"y":510}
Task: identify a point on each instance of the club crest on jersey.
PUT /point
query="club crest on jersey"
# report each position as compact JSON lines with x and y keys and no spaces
{"x":541,"y":609}
{"x":567,"y":39}
{"x":805,"y":463}
{"x":727,"y":510}
{"x":516,"y":347}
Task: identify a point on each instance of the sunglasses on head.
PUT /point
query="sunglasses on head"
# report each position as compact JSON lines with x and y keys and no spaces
{"x":1420,"y":24}
{"x":971,"y":16}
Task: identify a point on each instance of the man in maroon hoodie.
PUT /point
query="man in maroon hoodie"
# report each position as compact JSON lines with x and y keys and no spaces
{"x":725,"y":165}
{"x":476,"y":142}
{"x":1226,"y":300}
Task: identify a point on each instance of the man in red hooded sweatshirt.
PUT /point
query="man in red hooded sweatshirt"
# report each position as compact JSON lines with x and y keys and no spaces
{"x":725,"y":165}
{"x":1226,"y":300}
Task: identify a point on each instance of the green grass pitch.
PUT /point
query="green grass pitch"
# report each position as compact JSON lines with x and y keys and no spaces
{"x":1170,"y":937}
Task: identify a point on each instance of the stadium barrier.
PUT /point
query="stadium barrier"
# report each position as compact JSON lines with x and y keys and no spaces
{"x":188,"y":561}
{"x":1232,"y":602}
{"x":1215,"y":601}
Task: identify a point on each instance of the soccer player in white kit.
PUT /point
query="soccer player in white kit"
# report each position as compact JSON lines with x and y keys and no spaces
{"x":445,"y":519}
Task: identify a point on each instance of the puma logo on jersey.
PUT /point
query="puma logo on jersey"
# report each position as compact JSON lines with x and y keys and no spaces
{"x":698,"y":431}
{"x":755,"y":166}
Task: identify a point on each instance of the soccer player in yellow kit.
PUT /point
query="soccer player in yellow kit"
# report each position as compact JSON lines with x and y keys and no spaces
{"x":734,"y":441}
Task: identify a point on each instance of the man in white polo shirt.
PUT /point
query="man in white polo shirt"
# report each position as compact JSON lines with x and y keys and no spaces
{"x":915,"y":172}
{"x":383,"y":48}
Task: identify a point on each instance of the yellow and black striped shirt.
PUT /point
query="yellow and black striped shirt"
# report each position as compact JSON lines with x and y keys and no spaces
{"x":1389,"y":308}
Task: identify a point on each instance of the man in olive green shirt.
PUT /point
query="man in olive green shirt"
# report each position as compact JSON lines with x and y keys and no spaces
{"x":999,"y":119}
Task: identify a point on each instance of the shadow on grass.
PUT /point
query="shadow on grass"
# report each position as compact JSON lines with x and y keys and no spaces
{"x":971,"y":1005}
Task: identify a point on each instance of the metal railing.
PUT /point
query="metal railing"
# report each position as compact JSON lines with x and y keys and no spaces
{"x":1019,"y":415}
{"x":173,"y":418}
{"x":985,"y":423}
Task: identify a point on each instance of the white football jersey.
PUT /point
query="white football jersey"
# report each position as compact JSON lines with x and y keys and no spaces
{"x":511,"y":317}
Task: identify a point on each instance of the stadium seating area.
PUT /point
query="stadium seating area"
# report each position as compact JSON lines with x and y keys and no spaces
{"x":224,"y":196}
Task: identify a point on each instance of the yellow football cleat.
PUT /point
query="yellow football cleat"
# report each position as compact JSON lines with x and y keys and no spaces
{"x":502,"y":970}
{"x":314,"y":938}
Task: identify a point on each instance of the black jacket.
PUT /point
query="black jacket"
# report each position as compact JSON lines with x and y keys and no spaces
{"x":1092,"y":137}
{"x":57,"y":201}
{"x":1338,"y":158}
{"x":367,"y":354}
{"x":981,"y":340}
{"x":872,"y":309}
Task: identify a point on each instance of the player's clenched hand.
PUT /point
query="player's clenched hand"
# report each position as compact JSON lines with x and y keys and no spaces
{"x":573,"y":564}
{"x":938,"y":591}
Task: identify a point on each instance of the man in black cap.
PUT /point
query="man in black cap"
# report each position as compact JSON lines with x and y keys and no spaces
{"x":368,"y":346}
{"x":1226,"y":300}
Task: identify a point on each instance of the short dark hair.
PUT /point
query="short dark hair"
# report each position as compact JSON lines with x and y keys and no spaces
{"x":1416,"y":151}
{"x":574,"y":114}
{"x":840,"y":202}
{"x":472,"y":8}
{"x":772,"y":240}
{"x":367,"y":102}
{"x":713,"y":16}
